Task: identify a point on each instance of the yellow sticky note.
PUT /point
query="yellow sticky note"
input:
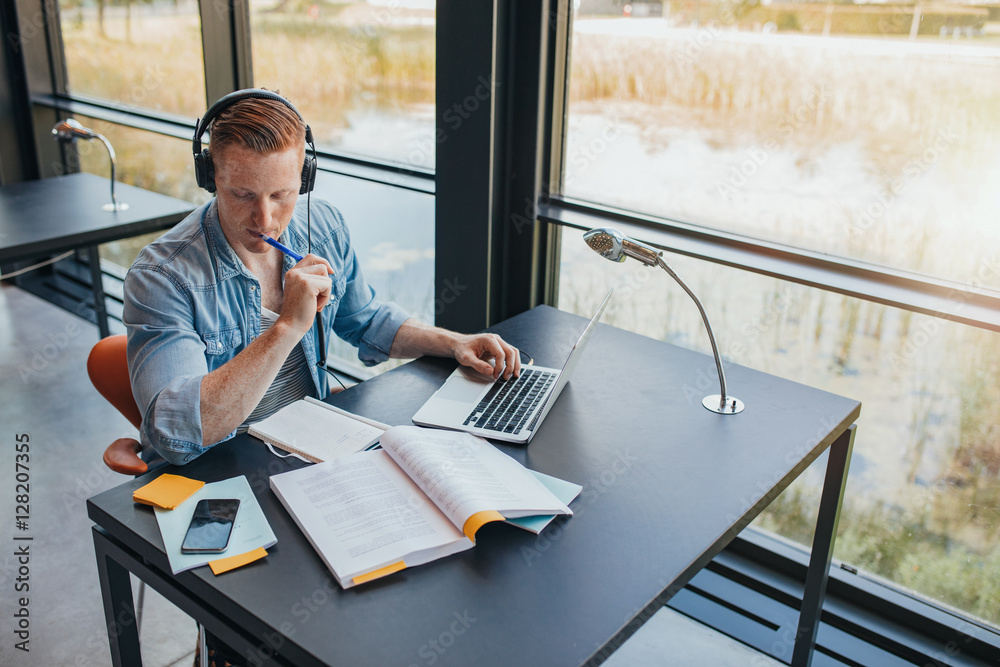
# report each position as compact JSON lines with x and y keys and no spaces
{"x":478,"y":520}
{"x":381,"y":572}
{"x":166,"y":491}
{"x":232,"y":562}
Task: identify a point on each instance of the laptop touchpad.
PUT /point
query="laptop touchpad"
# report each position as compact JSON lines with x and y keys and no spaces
{"x":460,"y":388}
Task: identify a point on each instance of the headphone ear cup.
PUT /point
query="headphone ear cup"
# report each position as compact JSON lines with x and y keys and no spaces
{"x":308,"y":175}
{"x":204,"y":170}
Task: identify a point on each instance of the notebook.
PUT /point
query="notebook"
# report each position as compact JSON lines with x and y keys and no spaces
{"x":316,"y":431}
{"x":509,"y":410}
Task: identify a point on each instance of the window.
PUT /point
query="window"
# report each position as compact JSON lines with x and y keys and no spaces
{"x":832,"y":129}
{"x":856,"y":130}
{"x":361,"y":73}
{"x":392,"y":233}
{"x":920,"y":506}
{"x":135,"y":53}
{"x":146,"y":160}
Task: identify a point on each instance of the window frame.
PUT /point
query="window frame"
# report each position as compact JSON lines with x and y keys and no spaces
{"x":228,"y":66}
{"x":34,"y":47}
{"x":483,"y":208}
{"x":964,"y":303}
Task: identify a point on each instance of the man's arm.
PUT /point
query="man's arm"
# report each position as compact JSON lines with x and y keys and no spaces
{"x":477,"y":351}
{"x":381,"y":331}
{"x":231,"y":392}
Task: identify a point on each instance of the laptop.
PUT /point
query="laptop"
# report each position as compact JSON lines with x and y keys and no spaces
{"x":509,"y":410}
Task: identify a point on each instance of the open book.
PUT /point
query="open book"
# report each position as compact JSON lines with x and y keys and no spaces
{"x":420,"y":498}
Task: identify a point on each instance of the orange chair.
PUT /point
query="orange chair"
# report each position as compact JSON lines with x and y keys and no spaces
{"x":107,"y":367}
{"x":108,"y":371}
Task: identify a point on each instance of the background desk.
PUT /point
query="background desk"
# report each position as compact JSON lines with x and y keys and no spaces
{"x":52,"y":215}
{"x":667,"y":484}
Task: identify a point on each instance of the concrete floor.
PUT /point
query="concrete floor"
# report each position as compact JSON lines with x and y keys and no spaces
{"x":670,"y":638}
{"x":46,"y":394}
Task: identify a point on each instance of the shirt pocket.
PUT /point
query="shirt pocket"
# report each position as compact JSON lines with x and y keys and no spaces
{"x":339,"y":287}
{"x":222,"y":342}
{"x":337,"y":292}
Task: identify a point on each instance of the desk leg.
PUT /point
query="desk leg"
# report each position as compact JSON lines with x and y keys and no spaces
{"x":119,"y":610}
{"x":97,"y":286}
{"x":822,"y":548}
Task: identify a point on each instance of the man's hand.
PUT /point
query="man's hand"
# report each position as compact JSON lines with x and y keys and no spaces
{"x":231,"y":391}
{"x":488,"y":354}
{"x":485,"y":353}
{"x":307,"y":289}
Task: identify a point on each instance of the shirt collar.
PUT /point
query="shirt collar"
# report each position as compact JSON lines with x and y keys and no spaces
{"x":294,"y":239}
{"x":227,"y":264}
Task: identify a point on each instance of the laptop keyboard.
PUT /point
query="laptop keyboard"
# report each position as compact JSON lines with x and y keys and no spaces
{"x":507,"y":405}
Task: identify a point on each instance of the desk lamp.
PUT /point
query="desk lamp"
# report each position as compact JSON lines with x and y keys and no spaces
{"x":70,"y":130}
{"x":612,"y":244}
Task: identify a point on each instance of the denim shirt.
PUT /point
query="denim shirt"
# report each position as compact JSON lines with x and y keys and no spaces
{"x":191,"y":305}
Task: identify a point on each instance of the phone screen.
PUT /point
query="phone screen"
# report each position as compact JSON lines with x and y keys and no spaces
{"x":211,"y":526}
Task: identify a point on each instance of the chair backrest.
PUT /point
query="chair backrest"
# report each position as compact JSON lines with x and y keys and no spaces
{"x":107,"y":367}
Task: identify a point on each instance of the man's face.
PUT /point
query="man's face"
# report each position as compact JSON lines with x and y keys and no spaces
{"x":256,"y":193}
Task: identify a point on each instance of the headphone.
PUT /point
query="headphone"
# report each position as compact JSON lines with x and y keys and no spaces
{"x":204,"y":170}
{"x":204,"y":174}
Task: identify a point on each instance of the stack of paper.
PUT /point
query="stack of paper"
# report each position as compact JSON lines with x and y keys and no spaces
{"x":251,"y":534}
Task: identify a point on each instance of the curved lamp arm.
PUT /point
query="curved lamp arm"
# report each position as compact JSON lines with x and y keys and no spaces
{"x":70,"y":130}
{"x":114,"y":205}
{"x":613,"y":245}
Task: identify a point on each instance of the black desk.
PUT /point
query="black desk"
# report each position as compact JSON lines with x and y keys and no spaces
{"x":53,"y":215}
{"x":667,"y":484}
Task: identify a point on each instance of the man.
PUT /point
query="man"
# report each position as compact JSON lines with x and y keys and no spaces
{"x":222,"y":327}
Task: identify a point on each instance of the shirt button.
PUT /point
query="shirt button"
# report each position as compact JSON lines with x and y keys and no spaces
{"x":253,"y":288}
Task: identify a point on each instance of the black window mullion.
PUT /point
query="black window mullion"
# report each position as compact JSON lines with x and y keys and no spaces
{"x":37,"y":40}
{"x":225,"y":34}
{"x":465,"y":212}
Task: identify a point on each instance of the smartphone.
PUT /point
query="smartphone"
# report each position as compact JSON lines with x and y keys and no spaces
{"x":211,"y":526}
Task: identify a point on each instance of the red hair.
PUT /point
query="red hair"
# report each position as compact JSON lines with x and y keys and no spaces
{"x":262,"y":125}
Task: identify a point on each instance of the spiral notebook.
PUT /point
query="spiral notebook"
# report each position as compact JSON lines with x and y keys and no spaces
{"x":316,"y":431}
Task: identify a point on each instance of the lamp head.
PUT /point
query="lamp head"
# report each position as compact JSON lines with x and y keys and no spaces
{"x":606,"y":242}
{"x":71,"y":130}
{"x":612,"y":244}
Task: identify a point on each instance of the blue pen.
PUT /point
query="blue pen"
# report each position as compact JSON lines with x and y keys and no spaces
{"x":283,"y":248}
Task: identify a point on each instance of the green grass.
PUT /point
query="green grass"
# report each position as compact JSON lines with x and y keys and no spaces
{"x":887,"y":543}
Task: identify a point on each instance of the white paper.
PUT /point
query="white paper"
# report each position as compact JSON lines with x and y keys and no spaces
{"x":361,"y":513}
{"x":250,"y":532}
{"x":565,"y":491}
{"x":318,"y":431}
{"x":465,"y":474}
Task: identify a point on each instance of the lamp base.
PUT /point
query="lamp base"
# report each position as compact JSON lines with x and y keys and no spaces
{"x":110,"y":206}
{"x":732,"y":406}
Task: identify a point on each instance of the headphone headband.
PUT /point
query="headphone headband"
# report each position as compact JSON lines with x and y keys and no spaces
{"x":204,"y":169}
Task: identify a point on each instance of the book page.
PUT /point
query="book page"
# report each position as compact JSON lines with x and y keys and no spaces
{"x":316,"y":430}
{"x":362,"y":513}
{"x":465,"y":475}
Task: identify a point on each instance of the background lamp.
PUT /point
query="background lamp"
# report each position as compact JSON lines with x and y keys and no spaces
{"x":70,"y":130}
{"x":612,"y":244}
